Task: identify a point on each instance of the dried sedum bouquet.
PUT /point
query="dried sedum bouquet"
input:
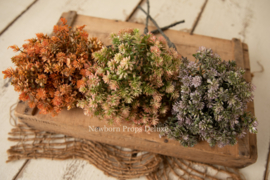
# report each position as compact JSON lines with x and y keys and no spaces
{"x":132,"y":80}
{"x":49,"y":68}
{"x":212,"y":101}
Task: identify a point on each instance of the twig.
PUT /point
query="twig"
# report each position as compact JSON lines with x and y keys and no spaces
{"x":147,"y":18}
{"x":167,"y":27}
{"x":170,"y":44}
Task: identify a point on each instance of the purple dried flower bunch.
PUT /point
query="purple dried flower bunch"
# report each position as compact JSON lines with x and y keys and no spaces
{"x":212,"y":102}
{"x":132,"y":80}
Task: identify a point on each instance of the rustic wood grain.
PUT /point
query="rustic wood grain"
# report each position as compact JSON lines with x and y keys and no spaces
{"x":243,"y":143}
{"x":41,"y":17}
{"x":70,"y":17}
{"x":238,"y":52}
{"x":11,"y":10}
{"x":185,"y":43}
{"x":198,"y":17}
{"x":134,"y":10}
{"x":252,"y":137}
{"x":74,"y":122}
{"x":223,"y":19}
{"x":170,"y":11}
{"x":246,"y":20}
{"x":267,"y":168}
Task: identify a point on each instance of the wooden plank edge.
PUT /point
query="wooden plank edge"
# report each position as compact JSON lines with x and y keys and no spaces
{"x":167,"y":32}
{"x":252,"y":137}
{"x":243,"y":143}
{"x":238,"y":52}
{"x":65,"y":15}
{"x":226,"y":160}
{"x":267,"y":168}
{"x":70,"y":16}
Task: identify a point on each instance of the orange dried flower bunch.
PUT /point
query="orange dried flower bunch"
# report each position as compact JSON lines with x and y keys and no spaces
{"x":49,"y":69}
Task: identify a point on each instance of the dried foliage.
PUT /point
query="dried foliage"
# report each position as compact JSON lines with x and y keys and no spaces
{"x":49,"y":69}
{"x":132,"y":80}
{"x":212,"y":102}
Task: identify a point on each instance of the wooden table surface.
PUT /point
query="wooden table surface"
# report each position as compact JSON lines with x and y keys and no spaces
{"x":243,"y":19}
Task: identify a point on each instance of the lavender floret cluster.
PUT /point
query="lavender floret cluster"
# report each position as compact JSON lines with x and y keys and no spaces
{"x":212,"y":102}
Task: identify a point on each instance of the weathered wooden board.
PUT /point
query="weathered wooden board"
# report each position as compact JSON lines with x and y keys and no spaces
{"x":41,"y":17}
{"x":10,"y":10}
{"x":247,"y":20}
{"x":74,"y":122}
{"x":170,"y":11}
{"x":221,"y":18}
{"x":185,"y":43}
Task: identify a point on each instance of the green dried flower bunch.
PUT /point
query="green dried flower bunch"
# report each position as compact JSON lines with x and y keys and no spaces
{"x":132,"y":80}
{"x":212,"y":101}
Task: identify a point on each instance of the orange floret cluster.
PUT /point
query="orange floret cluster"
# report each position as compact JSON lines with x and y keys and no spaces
{"x":49,"y":69}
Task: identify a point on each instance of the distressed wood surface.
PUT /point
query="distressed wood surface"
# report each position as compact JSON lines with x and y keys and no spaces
{"x":170,"y":11}
{"x":267,"y":170}
{"x":248,"y":21}
{"x":192,"y":11}
{"x":70,"y":17}
{"x":186,"y":44}
{"x":238,"y":56}
{"x":244,"y":19}
{"x":75,"y":123}
{"x":41,"y":17}
{"x":10,"y":10}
